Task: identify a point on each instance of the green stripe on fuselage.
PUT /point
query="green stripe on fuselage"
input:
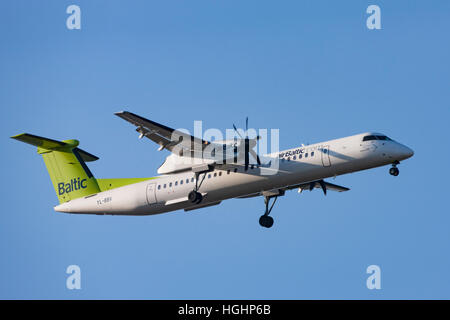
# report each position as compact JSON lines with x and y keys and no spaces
{"x":108,"y":184}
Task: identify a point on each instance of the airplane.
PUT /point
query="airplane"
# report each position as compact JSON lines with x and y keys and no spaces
{"x":207,"y":181}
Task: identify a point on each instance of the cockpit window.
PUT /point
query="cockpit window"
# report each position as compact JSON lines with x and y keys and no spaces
{"x":383,"y":138}
{"x":368,"y":138}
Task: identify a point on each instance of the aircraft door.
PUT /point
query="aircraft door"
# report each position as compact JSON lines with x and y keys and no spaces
{"x":325,"y":152}
{"x":151,"y":193}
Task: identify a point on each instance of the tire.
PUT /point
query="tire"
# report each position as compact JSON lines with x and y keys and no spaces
{"x":394,"y":171}
{"x":193,"y":196}
{"x":269,"y":222}
{"x":266,"y":221}
{"x":199,"y":198}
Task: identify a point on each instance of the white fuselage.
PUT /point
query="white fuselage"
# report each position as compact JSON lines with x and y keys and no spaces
{"x":169,"y":192}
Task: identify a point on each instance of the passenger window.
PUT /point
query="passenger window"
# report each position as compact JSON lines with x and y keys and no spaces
{"x":192,"y":180}
{"x":187,"y":181}
{"x":306,"y":155}
{"x":300,"y":156}
{"x":235,"y":170}
{"x":215,"y":174}
{"x":312,"y":154}
{"x":165,"y":185}
{"x":220,"y":173}
{"x":159,"y":187}
{"x":181,"y":181}
{"x":228,"y":171}
{"x":294,"y":158}
{"x":170,"y":185}
{"x":176,"y":183}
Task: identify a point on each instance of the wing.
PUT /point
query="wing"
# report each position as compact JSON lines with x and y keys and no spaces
{"x":321,"y":184}
{"x":167,"y":138}
{"x":219,"y":155}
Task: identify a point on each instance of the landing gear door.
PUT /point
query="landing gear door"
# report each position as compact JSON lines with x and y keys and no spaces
{"x":151,"y":193}
{"x":326,"y":156}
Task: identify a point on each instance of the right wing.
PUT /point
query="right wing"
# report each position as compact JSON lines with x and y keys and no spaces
{"x":319,"y":184}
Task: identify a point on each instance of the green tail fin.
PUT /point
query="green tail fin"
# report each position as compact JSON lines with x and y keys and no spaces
{"x":66,"y":166}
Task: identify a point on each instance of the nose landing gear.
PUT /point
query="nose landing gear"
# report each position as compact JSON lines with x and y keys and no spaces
{"x":394,"y":170}
{"x":265,"y":220}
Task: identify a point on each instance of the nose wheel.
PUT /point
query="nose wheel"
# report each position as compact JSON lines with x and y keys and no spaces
{"x":265,"y":220}
{"x":394,"y":170}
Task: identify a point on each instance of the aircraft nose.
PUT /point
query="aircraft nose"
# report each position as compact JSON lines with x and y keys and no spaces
{"x":406,"y":152}
{"x":410,"y":152}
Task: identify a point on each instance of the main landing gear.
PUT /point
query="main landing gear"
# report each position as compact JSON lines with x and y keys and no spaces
{"x":194,"y":196}
{"x":394,"y":170}
{"x":266,"y":221}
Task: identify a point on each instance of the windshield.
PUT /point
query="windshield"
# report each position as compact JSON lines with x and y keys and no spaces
{"x":369,"y":138}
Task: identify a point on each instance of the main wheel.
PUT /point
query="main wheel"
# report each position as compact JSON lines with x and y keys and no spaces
{"x":266,"y":221}
{"x":394,"y":171}
{"x":195,"y":197}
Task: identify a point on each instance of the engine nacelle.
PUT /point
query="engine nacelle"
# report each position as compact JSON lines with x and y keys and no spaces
{"x":175,"y":163}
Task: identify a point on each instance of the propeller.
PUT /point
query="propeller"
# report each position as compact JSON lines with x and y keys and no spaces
{"x":247,"y":149}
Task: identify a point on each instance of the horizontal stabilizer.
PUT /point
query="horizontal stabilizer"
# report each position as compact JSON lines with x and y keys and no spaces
{"x":54,"y":145}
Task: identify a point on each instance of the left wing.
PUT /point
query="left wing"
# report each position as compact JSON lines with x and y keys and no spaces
{"x":165,"y":137}
{"x":221,"y":155}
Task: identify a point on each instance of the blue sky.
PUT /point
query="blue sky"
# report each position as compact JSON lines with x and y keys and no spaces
{"x":311,"y":69}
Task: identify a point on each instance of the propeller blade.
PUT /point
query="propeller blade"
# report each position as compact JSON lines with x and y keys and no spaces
{"x":247,"y":153}
{"x":247,"y":150}
{"x":254,"y":155}
{"x":235,"y":129}
{"x":324,"y":187}
{"x":312,"y":185}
